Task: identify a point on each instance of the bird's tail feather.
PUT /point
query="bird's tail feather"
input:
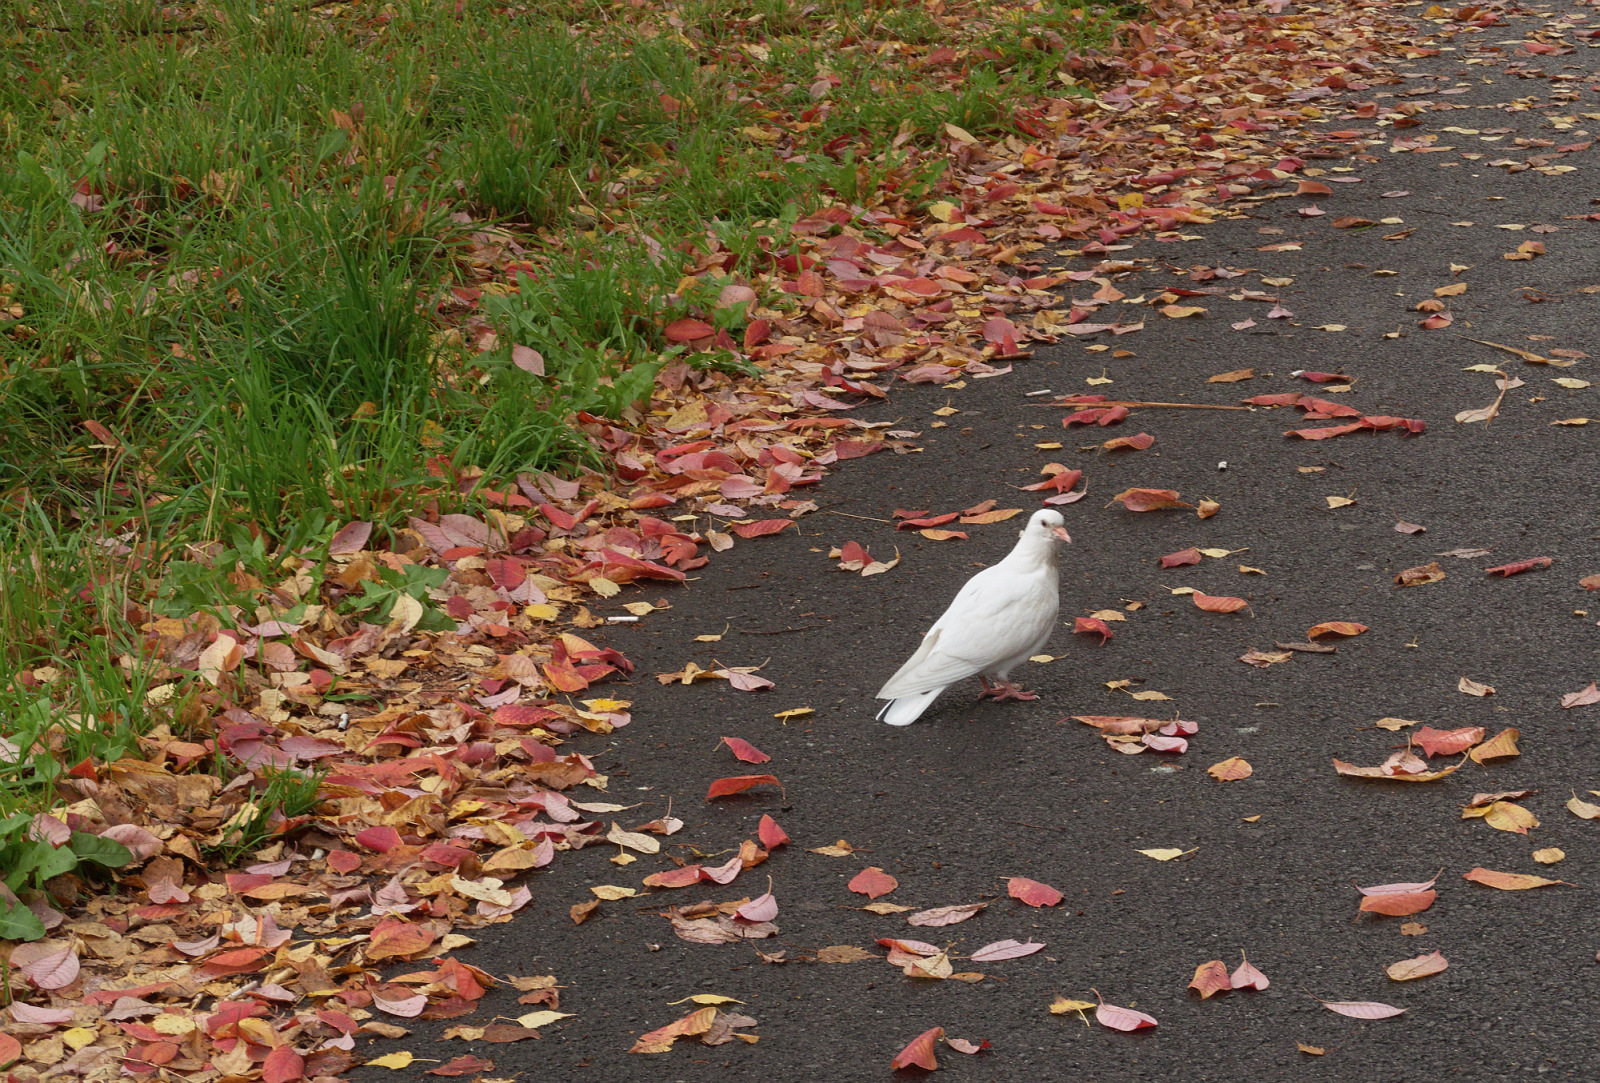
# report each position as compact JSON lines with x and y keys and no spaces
{"x":904,"y":710}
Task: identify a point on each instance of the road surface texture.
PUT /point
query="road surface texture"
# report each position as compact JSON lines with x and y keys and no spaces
{"x":973,"y":794}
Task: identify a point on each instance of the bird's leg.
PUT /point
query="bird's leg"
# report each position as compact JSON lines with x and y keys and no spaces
{"x":988,"y":689}
{"x":1004,"y":690}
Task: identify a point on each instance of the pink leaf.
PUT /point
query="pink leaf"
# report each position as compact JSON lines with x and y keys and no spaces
{"x":1032,"y":892}
{"x":396,"y":1001}
{"x":1363,"y":1009}
{"x":1248,"y":977}
{"x":1582,"y":699}
{"x":528,"y":359}
{"x":1109,"y":1015}
{"x":945,"y":915}
{"x":961,"y":1045}
{"x":1005,"y":949}
{"x":54,"y":971}
{"x":759,"y":909}
{"x":1398,"y":889}
{"x":49,"y":1017}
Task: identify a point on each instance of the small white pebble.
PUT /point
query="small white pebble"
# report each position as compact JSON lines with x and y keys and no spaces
{"x":623,"y":620}
{"x":1223,"y":465}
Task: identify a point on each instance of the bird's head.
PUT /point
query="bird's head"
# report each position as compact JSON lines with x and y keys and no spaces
{"x":1048,"y":524}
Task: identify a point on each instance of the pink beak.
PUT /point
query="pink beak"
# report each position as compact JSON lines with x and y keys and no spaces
{"x":1061,"y":532}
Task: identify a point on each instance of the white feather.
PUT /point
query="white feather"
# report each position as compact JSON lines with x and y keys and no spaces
{"x":1001,"y":616}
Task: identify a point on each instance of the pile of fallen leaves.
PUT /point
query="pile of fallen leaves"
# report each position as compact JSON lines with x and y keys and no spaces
{"x":468,"y":773}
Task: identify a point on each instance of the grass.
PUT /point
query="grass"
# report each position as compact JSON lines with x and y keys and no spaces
{"x":251,"y":252}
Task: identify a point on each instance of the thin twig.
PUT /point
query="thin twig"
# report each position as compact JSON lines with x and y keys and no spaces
{"x":1130,"y":405}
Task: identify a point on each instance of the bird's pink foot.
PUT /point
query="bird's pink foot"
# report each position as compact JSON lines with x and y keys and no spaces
{"x":1004,"y":690}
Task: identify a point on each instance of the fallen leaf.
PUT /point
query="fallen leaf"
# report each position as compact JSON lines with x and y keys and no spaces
{"x":1165,"y":853}
{"x":1583,"y":810}
{"x":1139,"y":442}
{"x":961,"y":1045}
{"x":1004,"y":949}
{"x":1246,"y":976}
{"x":939,"y":915}
{"x":1473,"y":688}
{"x":1149,"y":499}
{"x":1420,"y":575}
{"x":1335,"y":628}
{"x":1506,"y":816}
{"x":1181,"y":558}
{"x":1032,"y":892}
{"x":1313,"y":1050}
{"x":1520,"y":566}
{"x":1110,"y":1015}
{"x":1550,"y":855}
{"x":919,"y":1051}
{"x":725,"y":787}
{"x":1209,"y":979}
{"x":843,"y":953}
{"x":872,"y":882}
{"x":1339,"y":501}
{"x":1509,"y":881}
{"x":745,"y":751}
{"x":1218,"y":603}
{"x":1061,"y":1006}
{"x":1207,"y":508}
{"x":1362,"y":1009}
{"x":1232,"y":377}
{"x":1447,"y":742}
{"x":1232,"y":769}
{"x":394,"y":1061}
{"x":1388,"y":774}
{"x":1398,"y":904}
{"x":1501,"y":746}
{"x":1404,"y":527}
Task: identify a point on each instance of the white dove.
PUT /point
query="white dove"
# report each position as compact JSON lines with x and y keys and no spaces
{"x":1002,"y":616}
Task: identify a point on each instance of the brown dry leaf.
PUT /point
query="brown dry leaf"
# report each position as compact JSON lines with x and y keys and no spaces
{"x":1233,"y":769}
{"x":1501,"y":746}
{"x":1311,"y":1050}
{"x":1420,"y":575}
{"x":843,"y":953}
{"x":1232,"y":377}
{"x":1473,"y":688}
{"x":1422,"y":966}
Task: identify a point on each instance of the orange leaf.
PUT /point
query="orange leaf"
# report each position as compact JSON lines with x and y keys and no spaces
{"x":1213,"y":603}
{"x":999,"y":515}
{"x":394,"y":938}
{"x":1335,"y":628}
{"x":872,"y":882}
{"x":1313,"y":188}
{"x":1420,"y":967}
{"x":10,"y":1049}
{"x":1210,"y":979}
{"x":687,"y":876}
{"x":724,"y":787}
{"x":1398,"y":905}
{"x":688,"y":330}
{"x":1132,"y":443}
{"x":1232,"y":769}
{"x":1509,"y":881}
{"x":919,"y":1051}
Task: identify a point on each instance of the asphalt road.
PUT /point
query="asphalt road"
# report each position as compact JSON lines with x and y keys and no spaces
{"x":975,"y":793}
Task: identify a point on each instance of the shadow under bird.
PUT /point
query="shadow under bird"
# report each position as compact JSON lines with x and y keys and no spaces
{"x":1002,"y":617}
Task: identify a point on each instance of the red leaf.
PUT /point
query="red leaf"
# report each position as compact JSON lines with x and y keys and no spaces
{"x":687,"y":876}
{"x":1520,"y":566}
{"x":1092,"y":626}
{"x":1287,"y":398}
{"x":1215,"y":603}
{"x":772,"y":836}
{"x":745,"y":751}
{"x":919,"y":1051}
{"x":872,"y":882}
{"x":10,"y":1049}
{"x":724,"y":787}
{"x":1335,"y":628}
{"x":283,"y":1065}
{"x":1033,"y":892}
{"x":927,"y":520}
{"x":688,"y":330}
{"x":1447,"y":742}
{"x":1181,"y":558}
{"x":1150,"y":499}
{"x":761,"y":527}
{"x":381,"y":839}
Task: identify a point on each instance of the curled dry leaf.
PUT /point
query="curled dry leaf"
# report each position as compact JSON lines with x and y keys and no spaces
{"x":1138,"y":442}
{"x":1583,"y":810}
{"x":1420,"y":575}
{"x":1310,"y":1050}
{"x":961,"y":1045}
{"x":1092,"y":626}
{"x":1583,"y":698}
{"x":919,"y":1051}
{"x":1517,"y":567}
{"x":1399,"y":768}
{"x":1509,"y":881}
{"x":1032,"y":892}
{"x":1404,"y":527}
{"x":873,"y":882}
{"x":1335,"y":628}
{"x":1473,"y":688}
{"x":1210,"y":978}
{"x":1181,"y":558}
{"x":1232,"y":769}
{"x":1363,"y":1009}
{"x":1207,"y":508}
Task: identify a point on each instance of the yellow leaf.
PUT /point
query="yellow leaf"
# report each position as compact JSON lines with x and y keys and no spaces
{"x":1061,"y":1006}
{"x":1572,"y":421}
{"x":546,"y":611}
{"x":1395,"y":724}
{"x":604,"y":587}
{"x":705,"y":998}
{"x":1164,"y":854}
{"x":1339,"y":501}
{"x":78,"y":1037}
{"x":1232,"y":769}
{"x":1108,"y":614}
{"x":941,"y":210}
{"x":959,"y":134}
{"x":945,"y":411}
{"x":399,"y":1060}
{"x":794,"y":712}
{"x":1455,"y":289}
{"x":1150,"y":695}
{"x":1568,"y":381}
{"x":1549,"y":855}
{"x":610,"y":893}
{"x":1501,"y":746}
{"x":535,"y":1020}
{"x":1178,"y":312}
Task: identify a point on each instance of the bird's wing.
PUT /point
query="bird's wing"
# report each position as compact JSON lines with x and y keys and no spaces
{"x":993,"y":619}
